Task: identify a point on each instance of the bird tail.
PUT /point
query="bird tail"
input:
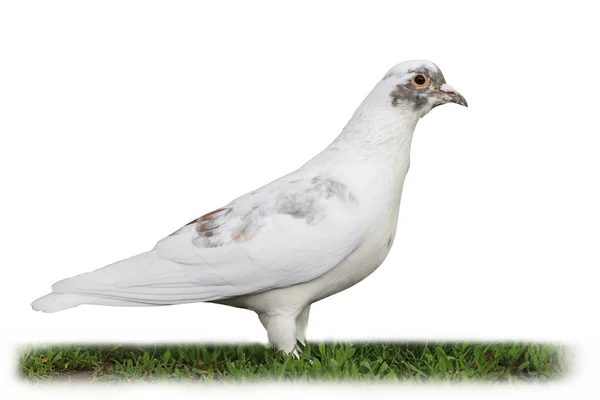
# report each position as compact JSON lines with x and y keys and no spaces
{"x":54,"y":302}
{"x":142,"y":280}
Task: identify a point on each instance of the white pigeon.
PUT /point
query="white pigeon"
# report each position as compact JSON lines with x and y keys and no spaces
{"x":297,"y":240}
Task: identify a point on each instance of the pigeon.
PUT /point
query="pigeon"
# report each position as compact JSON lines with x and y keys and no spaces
{"x":297,"y":240}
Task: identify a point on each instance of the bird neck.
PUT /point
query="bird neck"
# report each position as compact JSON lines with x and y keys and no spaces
{"x":372,"y":155}
{"x":378,"y":130}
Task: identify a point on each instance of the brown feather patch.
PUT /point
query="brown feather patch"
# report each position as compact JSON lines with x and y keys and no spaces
{"x":201,"y":220}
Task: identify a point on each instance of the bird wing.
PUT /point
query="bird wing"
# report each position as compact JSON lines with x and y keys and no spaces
{"x":286,"y":233}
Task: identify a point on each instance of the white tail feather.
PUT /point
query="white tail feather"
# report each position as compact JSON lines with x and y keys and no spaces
{"x":142,"y":280}
{"x":54,"y":302}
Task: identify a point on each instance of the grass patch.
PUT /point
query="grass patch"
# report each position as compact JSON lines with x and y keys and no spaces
{"x":417,"y":362}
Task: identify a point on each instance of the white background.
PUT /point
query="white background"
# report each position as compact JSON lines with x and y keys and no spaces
{"x":121,"y":121}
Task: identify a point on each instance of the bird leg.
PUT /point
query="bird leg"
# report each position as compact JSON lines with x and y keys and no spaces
{"x":301,"y":324}
{"x":281,"y":330}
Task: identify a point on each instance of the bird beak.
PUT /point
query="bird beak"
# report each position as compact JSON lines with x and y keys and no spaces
{"x":452,"y":95}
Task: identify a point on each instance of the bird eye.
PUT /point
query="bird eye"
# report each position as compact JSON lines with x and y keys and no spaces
{"x":420,"y":80}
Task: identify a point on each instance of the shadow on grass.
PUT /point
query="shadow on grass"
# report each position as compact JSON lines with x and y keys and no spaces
{"x":396,"y":362}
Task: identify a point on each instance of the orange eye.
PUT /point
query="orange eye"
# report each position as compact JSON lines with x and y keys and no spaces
{"x":420,"y":80}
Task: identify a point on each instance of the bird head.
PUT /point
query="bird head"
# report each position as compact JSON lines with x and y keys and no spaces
{"x":419,"y":86}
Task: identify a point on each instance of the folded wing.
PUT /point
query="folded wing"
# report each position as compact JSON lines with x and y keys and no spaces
{"x":284,"y":234}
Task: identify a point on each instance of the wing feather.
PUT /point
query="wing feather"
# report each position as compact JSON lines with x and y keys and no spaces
{"x":276,"y":237}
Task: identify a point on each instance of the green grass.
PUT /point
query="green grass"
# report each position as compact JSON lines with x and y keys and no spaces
{"x":417,"y":362}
